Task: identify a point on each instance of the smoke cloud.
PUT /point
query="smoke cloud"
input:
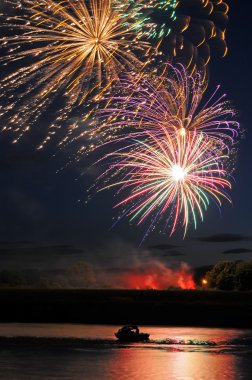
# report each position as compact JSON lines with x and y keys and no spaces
{"x":154,"y":275}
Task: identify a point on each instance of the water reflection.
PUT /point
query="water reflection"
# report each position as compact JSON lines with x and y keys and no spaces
{"x":124,"y":364}
{"x":175,"y":366}
{"x":118,"y":362}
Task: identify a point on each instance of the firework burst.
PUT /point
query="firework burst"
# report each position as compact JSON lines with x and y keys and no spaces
{"x":151,"y":28}
{"x":170,"y":179}
{"x":189,"y":31}
{"x":72,"y":49}
{"x":172,"y":102}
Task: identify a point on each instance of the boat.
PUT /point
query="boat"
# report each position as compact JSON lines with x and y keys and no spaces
{"x":131,"y":333}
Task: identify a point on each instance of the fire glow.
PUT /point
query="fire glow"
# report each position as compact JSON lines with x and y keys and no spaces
{"x":158,"y":277}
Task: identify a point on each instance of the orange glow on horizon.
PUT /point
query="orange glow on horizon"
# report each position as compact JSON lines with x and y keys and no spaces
{"x":158,"y":279}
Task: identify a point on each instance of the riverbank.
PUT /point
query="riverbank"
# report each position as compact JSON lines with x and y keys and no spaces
{"x":145,"y":307}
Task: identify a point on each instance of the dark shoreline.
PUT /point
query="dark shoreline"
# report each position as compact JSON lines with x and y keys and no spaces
{"x":143,"y":307}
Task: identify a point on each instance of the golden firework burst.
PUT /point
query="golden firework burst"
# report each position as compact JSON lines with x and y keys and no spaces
{"x":72,"y":48}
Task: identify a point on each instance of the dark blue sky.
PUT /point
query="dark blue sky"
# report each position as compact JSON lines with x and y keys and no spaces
{"x":40,"y":208}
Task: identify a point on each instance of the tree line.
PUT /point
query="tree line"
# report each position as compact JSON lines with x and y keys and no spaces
{"x":228,"y":275}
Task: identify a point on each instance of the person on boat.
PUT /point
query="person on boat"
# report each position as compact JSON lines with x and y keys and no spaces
{"x":130,"y":330}
{"x":136,"y":329}
{"x":131,"y":333}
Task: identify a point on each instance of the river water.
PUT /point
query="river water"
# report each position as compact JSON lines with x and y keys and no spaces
{"x":85,"y":352}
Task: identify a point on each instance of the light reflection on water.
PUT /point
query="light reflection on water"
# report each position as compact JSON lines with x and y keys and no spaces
{"x":97,"y":357}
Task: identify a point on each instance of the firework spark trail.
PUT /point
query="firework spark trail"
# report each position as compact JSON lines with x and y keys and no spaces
{"x":70,"y":48}
{"x":151,"y":29}
{"x":172,"y":102}
{"x":189,"y":30}
{"x":169,"y":176}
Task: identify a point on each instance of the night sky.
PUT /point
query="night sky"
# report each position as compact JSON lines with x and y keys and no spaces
{"x":45,"y":222}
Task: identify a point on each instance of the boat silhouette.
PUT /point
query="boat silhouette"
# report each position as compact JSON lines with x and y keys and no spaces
{"x":131,"y":333}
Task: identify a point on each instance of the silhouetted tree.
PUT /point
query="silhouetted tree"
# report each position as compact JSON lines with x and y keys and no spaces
{"x":227,"y":275}
{"x":222,"y":276}
{"x":81,"y":275}
{"x":243,"y":276}
{"x":12,"y":279}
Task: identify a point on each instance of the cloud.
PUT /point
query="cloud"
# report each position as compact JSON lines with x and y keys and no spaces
{"x":175,"y":253}
{"x":163,"y":251}
{"x":236,"y":251}
{"x":15,"y":243}
{"x":41,"y":250}
{"x":39,"y":257}
{"x":156,"y":267}
{"x":145,"y":260}
{"x":224,"y":238}
{"x":162,"y":247}
{"x":115,"y":264}
{"x":164,"y":255}
{"x":80,"y":275}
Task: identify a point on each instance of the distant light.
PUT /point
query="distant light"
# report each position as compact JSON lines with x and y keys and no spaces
{"x":204,"y":281}
{"x":178,"y":173}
